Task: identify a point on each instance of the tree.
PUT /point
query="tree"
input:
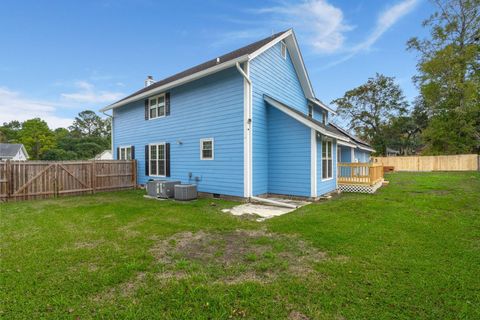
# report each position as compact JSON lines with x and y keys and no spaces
{"x":370,"y":107}
{"x":36,"y":137}
{"x":449,"y":77}
{"x":58,"y":154}
{"x":10,"y":131}
{"x":88,"y":123}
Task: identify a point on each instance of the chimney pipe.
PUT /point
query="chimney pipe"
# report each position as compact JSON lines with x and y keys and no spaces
{"x":149,"y":81}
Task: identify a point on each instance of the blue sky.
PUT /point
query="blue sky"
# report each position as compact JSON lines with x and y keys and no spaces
{"x":60,"y":57}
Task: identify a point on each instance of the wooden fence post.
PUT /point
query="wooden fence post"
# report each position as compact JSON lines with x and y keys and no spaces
{"x":93,"y":176}
{"x":134,"y":173}
{"x":8,"y":180}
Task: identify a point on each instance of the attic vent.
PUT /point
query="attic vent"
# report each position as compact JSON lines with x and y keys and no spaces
{"x":218,"y":60}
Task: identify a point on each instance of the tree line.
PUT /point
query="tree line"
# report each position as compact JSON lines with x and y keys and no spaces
{"x":445,"y":117}
{"x":86,"y":137}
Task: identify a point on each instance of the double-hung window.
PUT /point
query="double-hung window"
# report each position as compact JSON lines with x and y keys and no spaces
{"x":156,"y":106}
{"x":206,"y":149}
{"x":157,"y":158}
{"x":327,"y":159}
{"x":125,"y":153}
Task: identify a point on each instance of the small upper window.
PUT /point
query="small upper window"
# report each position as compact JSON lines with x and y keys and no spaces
{"x":156,"y":106}
{"x":206,"y":149}
{"x":283,"y":49}
{"x":310,"y":111}
{"x":125,"y":153}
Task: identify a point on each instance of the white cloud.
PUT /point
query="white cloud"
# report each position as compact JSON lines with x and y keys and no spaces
{"x":86,"y":93}
{"x":322,"y":23}
{"x":13,"y":106}
{"x":384,"y":22}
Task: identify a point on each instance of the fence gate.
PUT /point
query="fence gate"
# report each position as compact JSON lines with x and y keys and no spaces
{"x":22,"y":180}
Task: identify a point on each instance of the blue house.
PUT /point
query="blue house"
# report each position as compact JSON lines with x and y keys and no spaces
{"x":244,"y":124}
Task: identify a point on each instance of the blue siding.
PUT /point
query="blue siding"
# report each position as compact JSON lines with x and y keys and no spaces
{"x":275,"y":76}
{"x":211,"y":107}
{"x":345,"y":154}
{"x":362,"y":155}
{"x":288,"y":154}
{"x":325,"y":186}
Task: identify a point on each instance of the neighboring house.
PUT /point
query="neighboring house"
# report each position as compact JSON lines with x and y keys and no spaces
{"x":104,"y":155}
{"x":13,"y":151}
{"x":244,"y":124}
{"x":355,"y":150}
{"x":392,"y":153}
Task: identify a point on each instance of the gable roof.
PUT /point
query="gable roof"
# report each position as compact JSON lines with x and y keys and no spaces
{"x":359,"y":143}
{"x":10,"y":150}
{"x":305,"y":119}
{"x":225,"y":61}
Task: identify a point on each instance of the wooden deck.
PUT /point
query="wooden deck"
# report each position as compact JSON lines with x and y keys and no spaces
{"x":359,"y":177}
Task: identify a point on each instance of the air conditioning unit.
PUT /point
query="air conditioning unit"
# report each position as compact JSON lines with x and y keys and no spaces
{"x":185,"y":192}
{"x":161,"y":188}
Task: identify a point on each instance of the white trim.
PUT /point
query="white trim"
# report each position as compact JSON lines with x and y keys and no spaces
{"x":124,"y":147}
{"x":346,"y":144}
{"x":321,"y":105}
{"x":283,"y":50}
{"x":352,"y":156}
{"x":313,"y":163}
{"x":264,"y":48}
{"x":156,"y":106}
{"x":150,"y":159}
{"x":299,"y":118}
{"x":178,"y":82}
{"x":365,"y":148}
{"x":201,"y":148}
{"x":331,"y":153}
{"x":247,"y":130}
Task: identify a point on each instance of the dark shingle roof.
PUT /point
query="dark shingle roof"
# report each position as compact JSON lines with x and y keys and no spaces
{"x":249,"y":49}
{"x":9,"y":150}
{"x":303,"y":115}
{"x":351,"y":136}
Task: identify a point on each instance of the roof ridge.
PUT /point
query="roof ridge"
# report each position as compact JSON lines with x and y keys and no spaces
{"x":248,"y":49}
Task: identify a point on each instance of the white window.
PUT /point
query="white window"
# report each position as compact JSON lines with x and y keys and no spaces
{"x":125,"y":153}
{"x":310,"y":111}
{"x":156,"y":107}
{"x":283,"y":49}
{"x":206,"y":149}
{"x":324,"y":117}
{"x":327,"y":159}
{"x":156,"y":156}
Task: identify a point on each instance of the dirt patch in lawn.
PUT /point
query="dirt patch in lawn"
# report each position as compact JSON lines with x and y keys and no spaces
{"x":125,"y":289}
{"x":236,"y":257}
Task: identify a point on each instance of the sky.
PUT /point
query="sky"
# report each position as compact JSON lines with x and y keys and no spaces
{"x":58,"y":58}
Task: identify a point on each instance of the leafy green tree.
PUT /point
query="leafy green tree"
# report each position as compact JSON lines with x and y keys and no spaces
{"x":370,"y":107}
{"x":36,"y":137}
{"x":10,"y":131}
{"x":88,"y":123}
{"x":58,"y":154}
{"x":449,"y":77}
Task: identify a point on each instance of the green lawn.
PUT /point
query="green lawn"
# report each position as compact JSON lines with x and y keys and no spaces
{"x":410,"y":251}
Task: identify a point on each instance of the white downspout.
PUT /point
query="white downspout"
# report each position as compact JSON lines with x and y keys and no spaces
{"x":248,"y":188}
{"x":276,"y":203}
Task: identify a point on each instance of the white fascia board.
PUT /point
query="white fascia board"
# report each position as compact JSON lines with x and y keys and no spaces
{"x":347,"y":144}
{"x":365,"y":148}
{"x":321,"y":105}
{"x":192,"y":77}
{"x":300,"y":119}
{"x":296,"y":57}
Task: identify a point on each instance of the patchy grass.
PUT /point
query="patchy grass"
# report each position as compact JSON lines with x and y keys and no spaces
{"x":412,"y":250}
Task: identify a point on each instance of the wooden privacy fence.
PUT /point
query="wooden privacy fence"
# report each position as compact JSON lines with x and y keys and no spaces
{"x":359,"y":173}
{"x":461,"y":162}
{"x":24,"y":180}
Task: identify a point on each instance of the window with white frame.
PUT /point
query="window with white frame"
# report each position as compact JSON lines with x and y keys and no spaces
{"x":327,"y":159}
{"x":324,"y":117}
{"x":206,"y":149}
{"x":156,"y":156}
{"x":125,"y":153}
{"x":156,"y":106}
{"x":283,"y":49}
